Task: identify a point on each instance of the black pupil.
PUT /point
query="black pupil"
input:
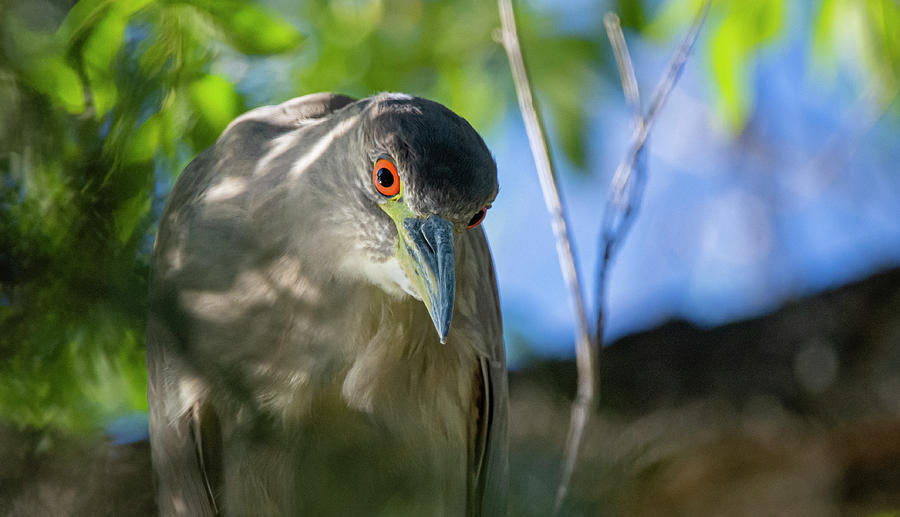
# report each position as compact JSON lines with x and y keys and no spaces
{"x":385,"y":178}
{"x":477,"y":217}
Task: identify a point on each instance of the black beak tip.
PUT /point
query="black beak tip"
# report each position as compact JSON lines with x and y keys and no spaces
{"x":442,"y":322}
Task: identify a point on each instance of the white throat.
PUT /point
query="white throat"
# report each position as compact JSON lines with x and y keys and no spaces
{"x":387,"y":275}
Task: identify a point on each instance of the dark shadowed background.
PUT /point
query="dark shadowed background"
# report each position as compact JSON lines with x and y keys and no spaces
{"x":754,"y":311}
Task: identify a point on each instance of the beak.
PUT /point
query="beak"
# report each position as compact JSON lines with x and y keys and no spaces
{"x":428,"y":243}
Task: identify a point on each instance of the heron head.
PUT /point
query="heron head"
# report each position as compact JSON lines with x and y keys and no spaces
{"x":432,"y":176}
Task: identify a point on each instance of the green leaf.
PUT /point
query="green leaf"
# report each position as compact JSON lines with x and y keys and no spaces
{"x":104,"y":42}
{"x":145,"y":141}
{"x":130,"y":214}
{"x":823,"y":30}
{"x":103,"y":92}
{"x":41,"y":62}
{"x":730,"y":71}
{"x":50,"y":75}
{"x":884,"y":62}
{"x":571,"y":126}
{"x":672,"y":17}
{"x":216,"y":100}
{"x":81,"y":17}
{"x":631,"y":13}
{"x":98,"y":53}
{"x":86,"y":13}
{"x":252,"y":30}
{"x":738,"y":30}
{"x":470,"y":92}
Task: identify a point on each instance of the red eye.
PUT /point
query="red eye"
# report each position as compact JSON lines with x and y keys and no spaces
{"x":477,"y":218}
{"x":386,"y":179}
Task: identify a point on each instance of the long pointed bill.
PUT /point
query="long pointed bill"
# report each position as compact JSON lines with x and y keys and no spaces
{"x":429,"y":245}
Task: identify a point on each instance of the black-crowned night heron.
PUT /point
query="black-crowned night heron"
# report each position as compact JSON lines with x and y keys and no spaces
{"x":324,"y":334}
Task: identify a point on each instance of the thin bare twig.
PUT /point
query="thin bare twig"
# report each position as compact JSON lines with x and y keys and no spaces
{"x":623,"y":62}
{"x":584,"y":350}
{"x":627,"y":186}
{"x":610,"y":238}
{"x":660,"y":95}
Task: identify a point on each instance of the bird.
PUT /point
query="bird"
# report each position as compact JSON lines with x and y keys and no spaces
{"x":324,"y":333}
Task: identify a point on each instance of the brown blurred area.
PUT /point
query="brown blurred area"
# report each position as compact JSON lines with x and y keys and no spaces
{"x":60,"y":475}
{"x":795,"y":413}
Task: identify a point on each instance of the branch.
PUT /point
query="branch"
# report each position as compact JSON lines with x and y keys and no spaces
{"x":626,"y":190}
{"x":627,"y":186}
{"x":660,"y":95}
{"x":623,"y":62}
{"x":584,"y":350}
{"x":609,"y":237}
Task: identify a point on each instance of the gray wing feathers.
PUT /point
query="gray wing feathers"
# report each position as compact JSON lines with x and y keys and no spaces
{"x":495,"y":465}
{"x":496,"y":468}
{"x":180,"y":482}
{"x":180,"y":430}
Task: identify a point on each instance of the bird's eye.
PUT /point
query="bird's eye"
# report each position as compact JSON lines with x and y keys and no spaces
{"x":477,"y":218}
{"x":386,"y":179}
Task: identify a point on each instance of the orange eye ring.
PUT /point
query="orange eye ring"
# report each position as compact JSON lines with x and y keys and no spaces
{"x":385,"y":177}
{"x":477,"y":218}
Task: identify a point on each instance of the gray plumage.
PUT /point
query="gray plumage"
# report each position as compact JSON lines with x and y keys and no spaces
{"x":292,"y":369}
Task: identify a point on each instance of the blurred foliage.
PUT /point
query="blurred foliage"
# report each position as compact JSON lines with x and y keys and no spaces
{"x":866,"y":34}
{"x":103,"y":102}
{"x":95,"y":98}
{"x":862,"y":35}
{"x":445,"y":51}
